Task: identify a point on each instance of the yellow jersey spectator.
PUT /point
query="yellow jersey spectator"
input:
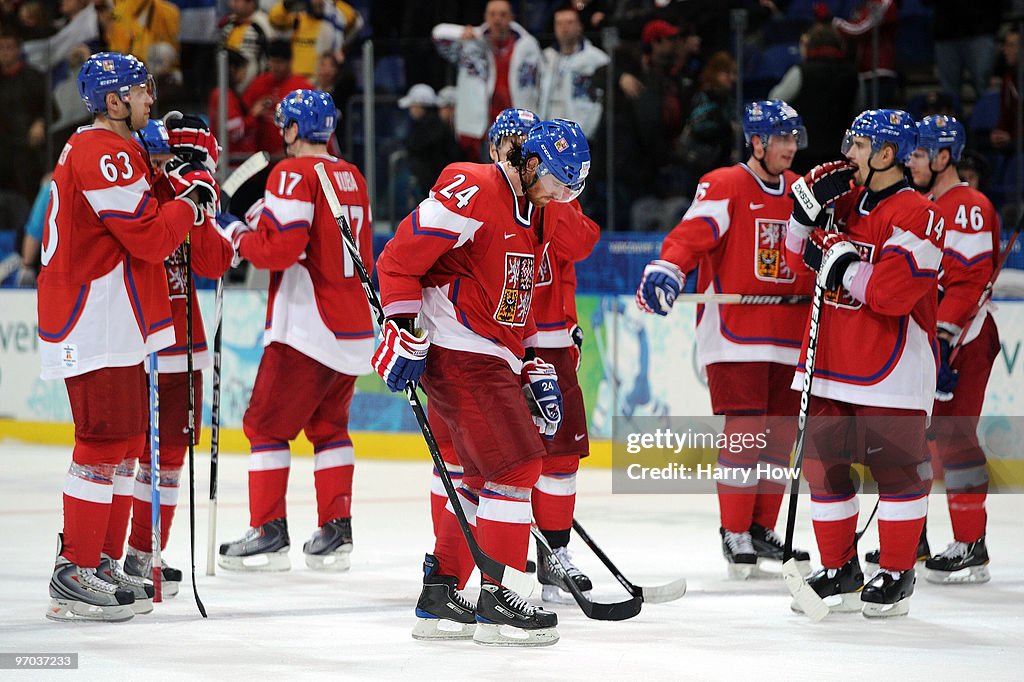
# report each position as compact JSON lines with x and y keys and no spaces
{"x":315,"y":26}
{"x":138,"y":24}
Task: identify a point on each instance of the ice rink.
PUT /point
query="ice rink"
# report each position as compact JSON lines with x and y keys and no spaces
{"x":356,"y":625}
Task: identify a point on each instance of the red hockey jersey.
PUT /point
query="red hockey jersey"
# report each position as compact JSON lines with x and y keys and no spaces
{"x":735,"y":230}
{"x":102,"y":290}
{"x":317,"y":304}
{"x":464,"y":260}
{"x":968,"y":258}
{"x":881,"y":352}
{"x":573,"y":236}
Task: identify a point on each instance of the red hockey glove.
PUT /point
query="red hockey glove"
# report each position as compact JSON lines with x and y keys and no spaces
{"x":194,"y":182}
{"x":830,"y":254}
{"x":822,"y":185}
{"x":190,"y":139}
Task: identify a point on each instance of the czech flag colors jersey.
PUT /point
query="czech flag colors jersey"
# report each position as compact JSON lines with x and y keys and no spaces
{"x":554,"y":300}
{"x":882,"y":352}
{"x":735,"y":230}
{"x":103,"y":290}
{"x":968,"y":258}
{"x":464,"y":260}
{"x":317,"y":304}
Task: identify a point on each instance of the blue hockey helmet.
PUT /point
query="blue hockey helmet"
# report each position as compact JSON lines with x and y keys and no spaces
{"x":106,"y":72}
{"x":154,"y":137}
{"x":765,"y":118}
{"x":884,"y":126}
{"x":511,"y":123}
{"x":312,"y":110}
{"x":941,"y":132}
{"x":564,"y":155}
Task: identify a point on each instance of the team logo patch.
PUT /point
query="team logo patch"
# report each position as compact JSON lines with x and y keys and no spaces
{"x":561,"y":145}
{"x":544,"y":277}
{"x":769,"y":260}
{"x":895,"y":118}
{"x":517,"y":291}
{"x":107,"y":64}
{"x":842,"y":298}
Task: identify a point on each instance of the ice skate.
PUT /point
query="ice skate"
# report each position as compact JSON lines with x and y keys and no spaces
{"x":441,"y":611}
{"x":263,"y":549}
{"x":739,"y":552}
{"x":887,"y":594}
{"x":552,"y":570}
{"x":838,"y":587}
{"x":768,"y":546}
{"x":330,"y":547}
{"x":960,"y":563}
{"x":140,"y":565}
{"x":923,"y":553}
{"x":504,"y":618}
{"x":111,"y":571}
{"x":79,"y":594}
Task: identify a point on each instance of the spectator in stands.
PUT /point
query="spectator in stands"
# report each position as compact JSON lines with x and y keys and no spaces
{"x":246,"y":30}
{"x":430,"y":143}
{"x":33,"y":239}
{"x":964,"y":34}
{"x":22,"y":129}
{"x":938,"y":103}
{"x":68,"y":102}
{"x":1005,"y":132}
{"x":267,"y":89}
{"x":823,"y":88}
{"x":79,"y":24}
{"x":241,"y":123}
{"x":710,"y":136}
{"x":567,"y":88}
{"x":866,"y":17}
{"x":316,"y":26}
{"x":198,"y":47}
{"x":162,"y":63}
{"x":498,"y":67}
{"x":446,"y":97}
{"x":29,"y":20}
{"x":974,"y":170}
{"x":336,"y":79}
{"x":140,"y":23}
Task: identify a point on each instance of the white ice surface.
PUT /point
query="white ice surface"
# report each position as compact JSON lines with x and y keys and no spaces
{"x":356,"y":625}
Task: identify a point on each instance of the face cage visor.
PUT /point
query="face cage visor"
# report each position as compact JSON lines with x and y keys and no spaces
{"x":149,"y":85}
{"x":799,"y":133}
{"x":561,"y":193}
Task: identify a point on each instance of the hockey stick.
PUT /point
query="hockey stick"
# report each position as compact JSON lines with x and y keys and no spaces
{"x":189,"y":351}
{"x":591,"y":609}
{"x":803,"y":594}
{"x":249,"y":168}
{"x":9,"y":265}
{"x":154,"y":478}
{"x":744,"y":299}
{"x":652,"y":595}
{"x":508,"y":577}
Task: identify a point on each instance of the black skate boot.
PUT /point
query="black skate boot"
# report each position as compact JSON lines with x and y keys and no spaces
{"x":140,"y":565}
{"x":504,"y":618}
{"x":552,"y":569}
{"x":441,"y":611}
{"x":79,"y":594}
{"x":887,"y":594}
{"x":923,"y":553}
{"x":330,"y":546}
{"x":960,"y":563}
{"x":262,"y":549}
{"x":837,"y":587}
{"x":738,"y":550}
{"x":111,"y":571}
{"x":768,"y":545}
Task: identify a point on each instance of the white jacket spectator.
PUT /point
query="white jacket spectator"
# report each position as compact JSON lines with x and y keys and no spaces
{"x":566,"y":83}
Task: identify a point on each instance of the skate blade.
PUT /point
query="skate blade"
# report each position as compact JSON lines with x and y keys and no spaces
{"x":741,"y":571}
{"x":337,"y":561}
{"x":972,"y":575}
{"x":805,"y":599}
{"x":553,"y":594}
{"x":70,"y":611}
{"x":493,"y":634}
{"x":271,"y":562}
{"x":440,"y":628}
{"x":168,"y":589}
{"x":142,"y":606}
{"x":872,"y":610}
{"x":837,"y":603}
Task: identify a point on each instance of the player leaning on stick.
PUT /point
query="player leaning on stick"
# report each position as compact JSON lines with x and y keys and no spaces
{"x":735,"y":230}
{"x":211,"y":257}
{"x":103,"y":307}
{"x":319,"y":338}
{"x":875,"y":364}
{"x":969,"y":257}
{"x":464,"y":263}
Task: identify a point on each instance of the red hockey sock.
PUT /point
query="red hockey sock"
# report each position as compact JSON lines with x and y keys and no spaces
{"x":120,"y":508}
{"x":554,"y":496}
{"x":333,"y":465}
{"x":768,"y":503}
{"x":967,"y":512}
{"x":899,"y":530}
{"x":505,"y":513}
{"x":141,"y":537}
{"x":269,"y":464}
{"x":450,"y":547}
{"x":835,"y":525}
{"x":438,"y":495}
{"x":736,"y":506}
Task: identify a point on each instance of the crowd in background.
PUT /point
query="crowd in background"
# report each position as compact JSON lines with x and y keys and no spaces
{"x":653,"y":83}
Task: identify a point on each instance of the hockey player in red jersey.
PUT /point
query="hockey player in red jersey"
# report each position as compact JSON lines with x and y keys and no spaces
{"x":735,"y":230}
{"x":103,"y":307}
{"x":969,"y":258}
{"x":464,"y":262}
{"x":319,"y":338}
{"x":875,"y":365}
{"x":211,"y":257}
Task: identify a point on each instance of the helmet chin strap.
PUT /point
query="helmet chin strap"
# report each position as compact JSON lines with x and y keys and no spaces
{"x":872,"y":169}
{"x":127,"y":120}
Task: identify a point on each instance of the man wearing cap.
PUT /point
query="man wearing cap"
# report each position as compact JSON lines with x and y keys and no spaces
{"x":430,"y":143}
{"x":267,"y":89}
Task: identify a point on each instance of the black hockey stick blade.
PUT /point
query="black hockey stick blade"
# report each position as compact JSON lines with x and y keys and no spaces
{"x":595,"y":610}
{"x":506,"y":576}
{"x":652,"y":595}
{"x":245,"y":172}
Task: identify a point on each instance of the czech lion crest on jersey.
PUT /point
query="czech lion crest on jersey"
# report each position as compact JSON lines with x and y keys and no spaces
{"x":769,"y":260}
{"x":517,"y":291}
{"x":544,"y":275}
